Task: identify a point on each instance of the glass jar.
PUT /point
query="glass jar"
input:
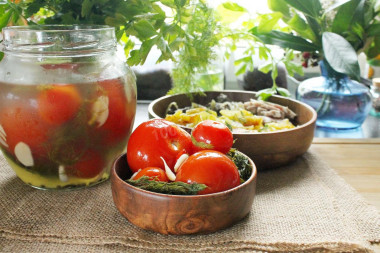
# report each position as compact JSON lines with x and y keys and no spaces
{"x":375,"y":91}
{"x":67,"y":104}
{"x":341,"y":103}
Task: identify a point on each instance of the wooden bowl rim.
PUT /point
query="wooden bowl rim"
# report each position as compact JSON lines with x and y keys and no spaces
{"x":250,"y":179}
{"x":307,"y":124}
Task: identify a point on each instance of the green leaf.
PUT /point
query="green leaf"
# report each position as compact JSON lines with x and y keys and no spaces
{"x":374,"y":30}
{"x":1,"y":55}
{"x":266,"y":67}
{"x":283,"y":92}
{"x":169,"y":3}
{"x":308,"y":7}
{"x":344,"y":16}
{"x":234,"y":7}
{"x":285,"y":40}
{"x":5,"y":18}
{"x":268,"y":21}
{"x":241,"y":70}
{"x":316,"y":28}
{"x":299,"y":25}
{"x":145,"y":48}
{"x":292,"y":68}
{"x":340,"y":54}
{"x":134,"y":58}
{"x":144,"y":29}
{"x":265,"y":94}
{"x":280,"y":6}
{"x":86,"y":8}
{"x":229,"y":13}
{"x":263,"y":53}
{"x":336,"y":5}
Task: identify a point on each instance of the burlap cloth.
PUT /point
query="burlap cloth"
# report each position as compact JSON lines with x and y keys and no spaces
{"x":304,"y":207}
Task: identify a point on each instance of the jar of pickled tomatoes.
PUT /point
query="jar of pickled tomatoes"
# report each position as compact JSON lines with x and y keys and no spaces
{"x":67,"y":104}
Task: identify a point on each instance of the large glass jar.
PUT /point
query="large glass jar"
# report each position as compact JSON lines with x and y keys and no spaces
{"x":67,"y":104}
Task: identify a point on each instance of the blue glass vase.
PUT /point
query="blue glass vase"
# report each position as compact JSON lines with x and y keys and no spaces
{"x":341,"y":103}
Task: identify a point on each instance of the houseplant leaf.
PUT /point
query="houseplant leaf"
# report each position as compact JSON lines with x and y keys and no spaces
{"x":285,"y":40}
{"x":280,"y":6}
{"x":268,"y":21}
{"x":340,"y":54}
{"x":344,"y":15}
{"x":310,"y":7}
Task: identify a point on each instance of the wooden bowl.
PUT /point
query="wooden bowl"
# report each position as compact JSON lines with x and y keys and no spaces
{"x":179,"y":215}
{"x":267,"y":150}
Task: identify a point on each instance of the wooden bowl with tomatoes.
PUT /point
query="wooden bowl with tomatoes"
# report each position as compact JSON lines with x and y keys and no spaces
{"x":267,"y":149}
{"x":171,"y":185}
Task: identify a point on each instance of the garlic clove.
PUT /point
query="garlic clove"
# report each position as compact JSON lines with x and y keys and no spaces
{"x":24,"y":154}
{"x":100,"y":111}
{"x":62,"y":174}
{"x":180,"y":160}
{"x":168,"y":171}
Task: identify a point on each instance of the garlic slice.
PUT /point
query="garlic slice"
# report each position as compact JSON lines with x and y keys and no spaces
{"x":62,"y":174}
{"x":168,"y":171}
{"x":134,"y":174}
{"x":24,"y":154}
{"x":100,"y":111}
{"x":180,"y":160}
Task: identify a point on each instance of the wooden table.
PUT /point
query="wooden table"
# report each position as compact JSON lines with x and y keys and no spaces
{"x":357,"y":161}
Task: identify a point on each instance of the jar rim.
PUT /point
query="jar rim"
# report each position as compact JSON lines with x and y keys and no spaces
{"x":57,"y":28}
{"x":58,"y":40}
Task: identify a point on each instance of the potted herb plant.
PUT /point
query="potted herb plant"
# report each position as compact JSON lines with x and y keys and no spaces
{"x":330,"y":33}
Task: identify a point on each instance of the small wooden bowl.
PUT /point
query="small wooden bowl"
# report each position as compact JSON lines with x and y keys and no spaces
{"x":267,"y":150}
{"x":180,"y":215}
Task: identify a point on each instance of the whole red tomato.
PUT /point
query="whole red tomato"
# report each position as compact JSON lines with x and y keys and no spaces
{"x":121,"y":111}
{"x":212,"y":135}
{"x":154,"y":173}
{"x":154,"y":139}
{"x":21,"y":122}
{"x":211,"y":168}
{"x":59,"y":103}
{"x":89,"y":165}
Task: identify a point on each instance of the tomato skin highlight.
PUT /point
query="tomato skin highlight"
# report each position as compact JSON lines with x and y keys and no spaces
{"x":212,"y":135}
{"x":154,"y":139}
{"x":154,"y":173}
{"x":59,"y":103}
{"x":211,"y":168}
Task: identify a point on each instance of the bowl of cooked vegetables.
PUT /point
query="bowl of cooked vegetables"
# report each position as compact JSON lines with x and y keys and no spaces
{"x":168,"y":184}
{"x":272,"y":133}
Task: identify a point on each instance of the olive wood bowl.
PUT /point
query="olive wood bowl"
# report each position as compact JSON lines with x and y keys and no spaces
{"x":179,"y":214}
{"x":267,"y":150}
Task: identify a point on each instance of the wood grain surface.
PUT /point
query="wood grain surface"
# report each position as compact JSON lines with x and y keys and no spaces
{"x":357,"y":161}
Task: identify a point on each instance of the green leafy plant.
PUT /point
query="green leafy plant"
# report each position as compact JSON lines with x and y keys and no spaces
{"x":335,"y":33}
{"x":137,"y":22}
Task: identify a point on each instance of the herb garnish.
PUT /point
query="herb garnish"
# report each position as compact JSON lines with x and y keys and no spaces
{"x":241,"y":162}
{"x":176,"y":188}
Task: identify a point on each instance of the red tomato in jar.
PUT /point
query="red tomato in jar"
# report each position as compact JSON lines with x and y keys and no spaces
{"x":90,"y":165}
{"x":154,"y":139}
{"x":211,"y":168}
{"x":59,"y":103}
{"x":121,"y":111}
{"x":21,"y":122}
{"x":154,"y":173}
{"x":212,"y":135}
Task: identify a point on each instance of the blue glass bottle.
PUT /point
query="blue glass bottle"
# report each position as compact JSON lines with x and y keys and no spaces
{"x":341,"y":103}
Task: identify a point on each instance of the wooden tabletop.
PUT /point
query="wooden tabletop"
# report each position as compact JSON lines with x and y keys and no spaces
{"x":357,"y":161}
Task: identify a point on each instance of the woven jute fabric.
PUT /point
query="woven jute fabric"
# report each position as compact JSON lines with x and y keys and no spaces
{"x":303,"y":207}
